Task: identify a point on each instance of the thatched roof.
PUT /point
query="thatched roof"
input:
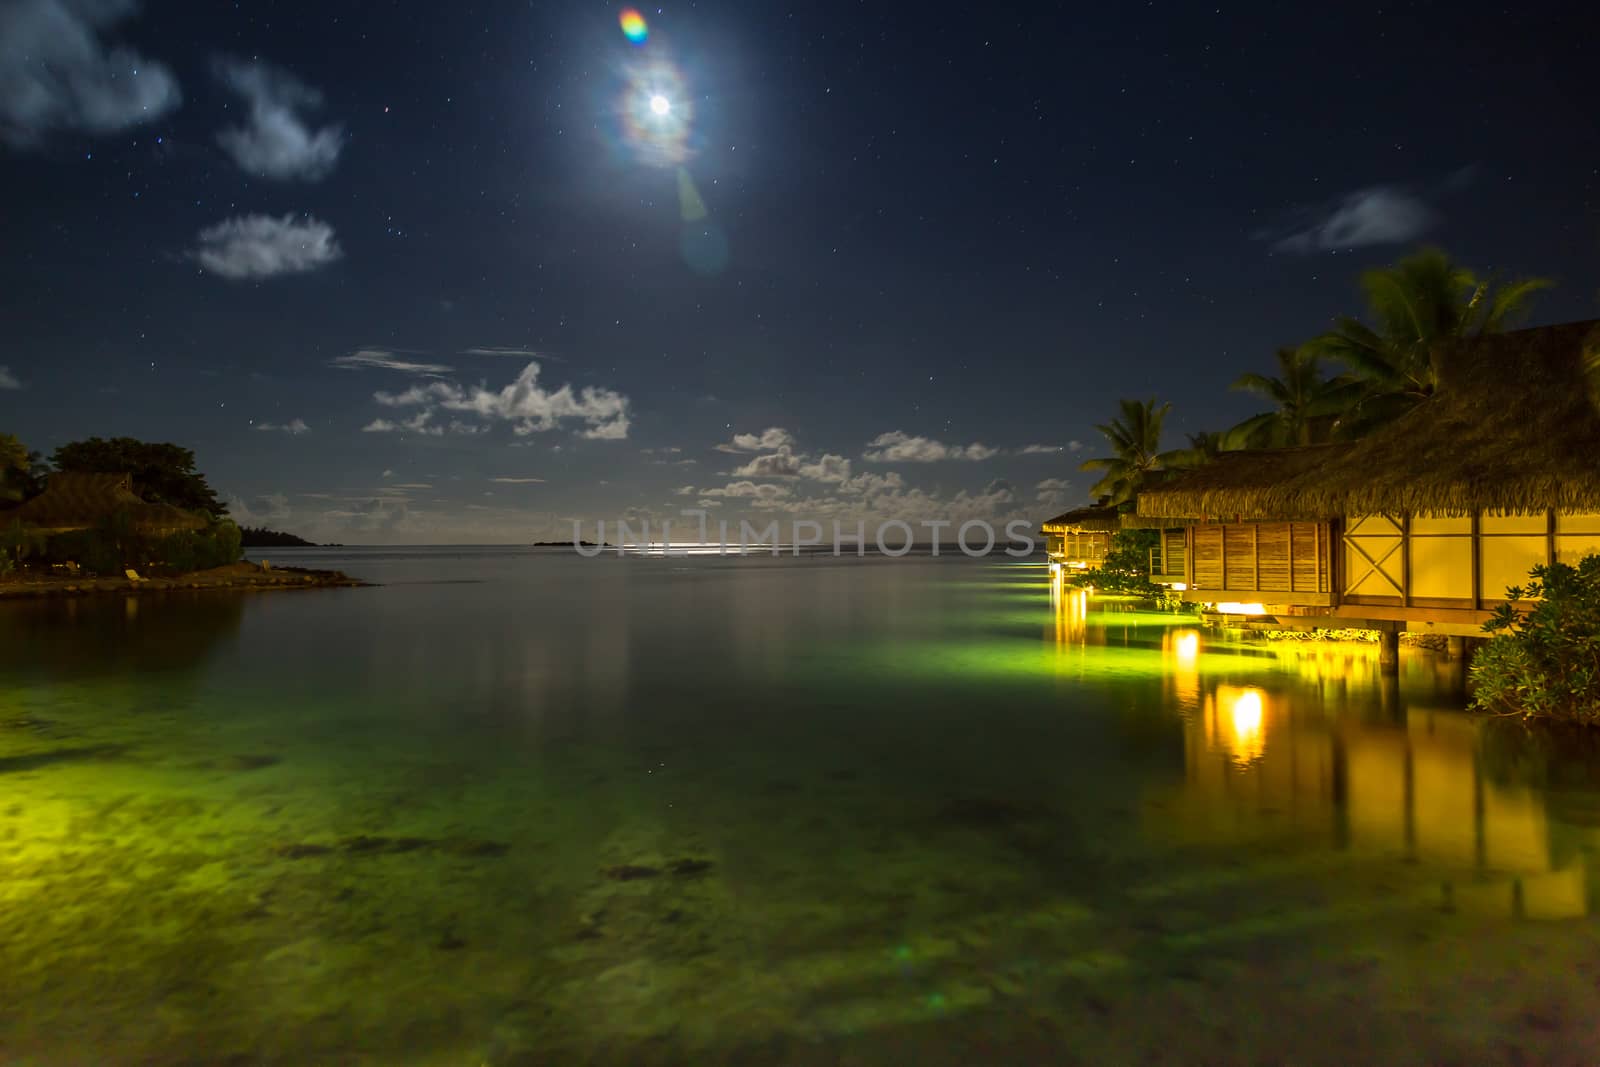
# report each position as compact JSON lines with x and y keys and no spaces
{"x":74,"y":501}
{"x":1513,"y":427}
{"x":1093,"y":517}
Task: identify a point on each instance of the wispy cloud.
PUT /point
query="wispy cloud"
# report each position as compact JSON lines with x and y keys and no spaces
{"x":518,"y":481}
{"x":259,"y":246}
{"x":1379,"y":215}
{"x":525,"y":404}
{"x":294,"y":427}
{"x":277,"y":142}
{"x":56,"y":74}
{"x":8,"y":380}
{"x":898,"y":447}
{"x":768,"y":440}
{"x":383,"y":359}
{"x":748,"y":489}
{"x":521,"y":353}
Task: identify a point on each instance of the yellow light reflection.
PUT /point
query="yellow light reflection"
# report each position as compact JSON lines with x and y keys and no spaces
{"x":1230,"y":607}
{"x":1184,"y":648}
{"x":1236,"y":722}
{"x":1071,"y":610}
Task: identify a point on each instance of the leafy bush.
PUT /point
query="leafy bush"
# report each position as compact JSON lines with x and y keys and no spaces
{"x":194,"y":550}
{"x":1544,"y":660}
{"x":113,"y":545}
{"x":17,"y":544}
{"x":1126,"y":568}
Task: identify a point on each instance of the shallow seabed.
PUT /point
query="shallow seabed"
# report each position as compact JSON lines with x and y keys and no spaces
{"x":524,"y":808}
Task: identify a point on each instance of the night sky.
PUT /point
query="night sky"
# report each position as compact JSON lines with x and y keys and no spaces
{"x":424,"y":272}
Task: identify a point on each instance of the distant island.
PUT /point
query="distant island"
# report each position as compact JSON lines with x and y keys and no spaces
{"x":261,"y":537}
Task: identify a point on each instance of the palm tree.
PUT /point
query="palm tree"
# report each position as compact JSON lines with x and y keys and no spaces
{"x":1305,"y":403}
{"x":1204,"y":447}
{"x":1135,"y":437}
{"x":1418,"y":305}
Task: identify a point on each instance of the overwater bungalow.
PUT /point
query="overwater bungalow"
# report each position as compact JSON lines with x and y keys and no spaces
{"x":1079,"y":539}
{"x":1419,"y":526}
{"x":78,"y":501}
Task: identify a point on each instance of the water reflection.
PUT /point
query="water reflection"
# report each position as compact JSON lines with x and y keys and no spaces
{"x":1266,"y":763}
{"x":94,"y":636}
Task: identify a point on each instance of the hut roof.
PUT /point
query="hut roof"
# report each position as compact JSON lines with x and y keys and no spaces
{"x":1093,"y":517}
{"x":1513,"y":427}
{"x":74,"y":500}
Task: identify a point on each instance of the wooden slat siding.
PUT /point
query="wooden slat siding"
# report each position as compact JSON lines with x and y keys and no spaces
{"x":1307,"y":569}
{"x":1318,"y":536}
{"x":1255,"y":551}
{"x":1273,"y":570}
{"x":1173,"y":552}
{"x":1550,"y":537}
{"x":1208,"y":557}
{"x":1239,"y":568}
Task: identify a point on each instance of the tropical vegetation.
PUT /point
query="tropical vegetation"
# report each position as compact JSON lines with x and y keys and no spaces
{"x":1135,"y":439}
{"x":162,"y":473}
{"x":1389,"y":365}
{"x":1543,"y":661}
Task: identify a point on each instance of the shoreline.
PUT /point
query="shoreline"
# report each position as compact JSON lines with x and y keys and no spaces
{"x":236,"y":576}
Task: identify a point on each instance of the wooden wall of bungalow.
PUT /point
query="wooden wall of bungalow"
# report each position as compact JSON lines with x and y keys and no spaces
{"x":1080,"y":538}
{"x":1078,"y":547}
{"x":1448,"y":570}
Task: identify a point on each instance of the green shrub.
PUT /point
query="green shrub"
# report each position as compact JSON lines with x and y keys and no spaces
{"x":1126,"y":568}
{"x":1544,"y":660}
{"x":195,"y":550}
{"x":225,"y":542}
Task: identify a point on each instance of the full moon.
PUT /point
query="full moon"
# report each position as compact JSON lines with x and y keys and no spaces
{"x":660,"y":105}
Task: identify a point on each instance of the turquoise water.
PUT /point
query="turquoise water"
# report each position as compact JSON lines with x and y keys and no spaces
{"x":521,"y":807}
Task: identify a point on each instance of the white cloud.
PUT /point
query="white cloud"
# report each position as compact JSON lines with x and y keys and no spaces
{"x":57,"y":75}
{"x":294,"y":427}
{"x":382,"y":359}
{"x":781,"y":464}
{"x":411,"y":485}
{"x":749,"y":490}
{"x":518,"y":481}
{"x":1074,"y":446}
{"x":898,"y":447}
{"x":1380,"y":215}
{"x":768,"y":440}
{"x":277,"y":142}
{"x":259,"y":246}
{"x":421,"y":423}
{"x":525,"y":404}
{"x":1035,"y":450}
{"x":1053,"y":491}
{"x":825,"y":468}
{"x":870,"y":483}
{"x":7,"y":379}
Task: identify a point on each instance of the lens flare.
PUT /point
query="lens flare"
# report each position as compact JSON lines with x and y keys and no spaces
{"x":657,"y":113}
{"x":633,"y":25}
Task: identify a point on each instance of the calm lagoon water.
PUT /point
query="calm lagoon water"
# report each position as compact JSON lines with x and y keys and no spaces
{"x":517,"y":807}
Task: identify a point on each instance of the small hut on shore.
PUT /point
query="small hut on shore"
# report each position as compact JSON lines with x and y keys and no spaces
{"x":77,"y":501}
{"x":1420,"y":525}
{"x":1080,"y":539}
